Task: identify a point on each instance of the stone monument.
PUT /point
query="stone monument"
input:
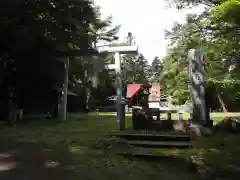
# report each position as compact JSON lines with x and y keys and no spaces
{"x":200,"y":115}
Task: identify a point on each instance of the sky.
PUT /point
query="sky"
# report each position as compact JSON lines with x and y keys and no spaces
{"x":146,"y":19}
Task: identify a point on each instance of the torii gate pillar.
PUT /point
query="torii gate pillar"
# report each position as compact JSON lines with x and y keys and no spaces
{"x":118,"y":68}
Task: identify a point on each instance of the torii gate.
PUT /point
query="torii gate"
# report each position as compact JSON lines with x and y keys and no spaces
{"x":117,"y":50}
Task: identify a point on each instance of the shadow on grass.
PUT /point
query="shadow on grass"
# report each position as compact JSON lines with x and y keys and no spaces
{"x":220,"y":152}
{"x":214,"y":157}
{"x":75,"y":149}
{"x":28,"y":160}
{"x":217,"y":156}
{"x":80,"y":149}
{"x":50,"y":149}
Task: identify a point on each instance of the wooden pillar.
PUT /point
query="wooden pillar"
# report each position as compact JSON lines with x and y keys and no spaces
{"x":169,"y":116}
{"x":120,"y":105}
{"x":180,"y":116}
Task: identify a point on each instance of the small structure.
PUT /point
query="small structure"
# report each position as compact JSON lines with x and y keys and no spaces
{"x":146,"y":103}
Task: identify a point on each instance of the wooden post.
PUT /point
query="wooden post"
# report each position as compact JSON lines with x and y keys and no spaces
{"x":117,"y":66}
{"x":65,"y":90}
{"x":180,"y":116}
{"x":169,"y":116}
{"x":120,"y":106}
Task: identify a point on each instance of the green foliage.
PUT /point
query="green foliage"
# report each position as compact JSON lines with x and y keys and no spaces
{"x":135,"y":66}
{"x":156,"y":69}
{"x":217,"y":31}
{"x":32,"y":34}
{"x":135,"y":69}
{"x":228,"y":11}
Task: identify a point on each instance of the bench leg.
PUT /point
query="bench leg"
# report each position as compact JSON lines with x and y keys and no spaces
{"x":169,"y":116}
{"x":158,"y":116}
{"x":180,"y":116}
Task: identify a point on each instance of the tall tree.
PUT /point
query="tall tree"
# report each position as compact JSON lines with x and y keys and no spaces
{"x":135,"y":67}
{"x":157,"y":65}
{"x":218,"y":33}
{"x":156,"y":69}
{"x":32,"y":34}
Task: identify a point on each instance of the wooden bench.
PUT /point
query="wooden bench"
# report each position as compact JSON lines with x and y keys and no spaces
{"x":169,"y":114}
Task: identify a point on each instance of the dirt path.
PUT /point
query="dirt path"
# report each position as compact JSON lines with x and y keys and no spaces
{"x":35,"y":161}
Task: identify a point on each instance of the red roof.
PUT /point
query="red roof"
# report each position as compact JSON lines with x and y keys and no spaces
{"x":132,"y":90}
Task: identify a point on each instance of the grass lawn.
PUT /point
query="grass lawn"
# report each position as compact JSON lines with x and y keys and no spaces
{"x":80,"y":149}
{"x":214,"y":116}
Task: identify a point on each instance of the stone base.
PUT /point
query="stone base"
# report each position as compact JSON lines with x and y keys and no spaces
{"x":196,"y":129}
{"x":142,"y":122}
{"x":180,"y":126}
{"x":207,"y":124}
{"x":228,"y":125}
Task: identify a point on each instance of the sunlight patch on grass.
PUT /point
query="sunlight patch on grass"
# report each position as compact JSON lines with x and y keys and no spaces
{"x":78,"y":150}
{"x":7,"y":166}
{"x":215,"y":116}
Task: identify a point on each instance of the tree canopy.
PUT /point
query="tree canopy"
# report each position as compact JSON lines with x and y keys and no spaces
{"x":36,"y":39}
{"x":216,"y":31}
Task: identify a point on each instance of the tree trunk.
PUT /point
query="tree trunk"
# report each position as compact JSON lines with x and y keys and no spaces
{"x":222,"y":103}
{"x":3,"y":71}
{"x":88,"y":96}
